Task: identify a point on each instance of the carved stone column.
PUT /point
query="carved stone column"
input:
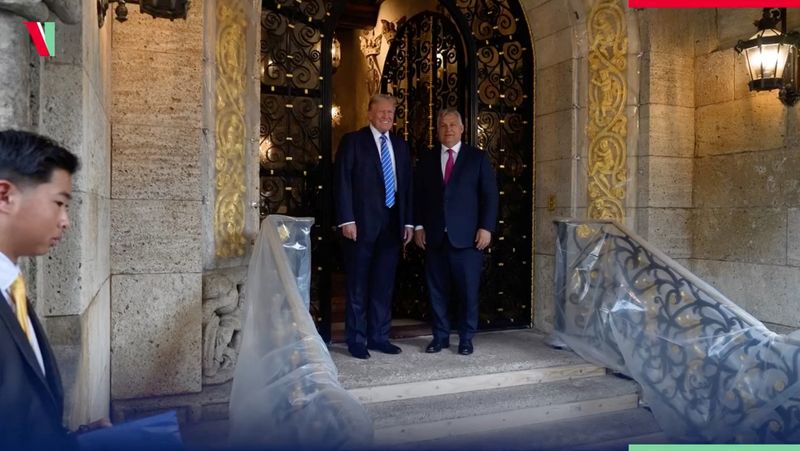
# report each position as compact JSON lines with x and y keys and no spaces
{"x":607,"y":130}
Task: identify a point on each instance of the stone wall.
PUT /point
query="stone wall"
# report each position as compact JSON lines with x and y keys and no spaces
{"x":665,"y":158}
{"x":176,"y":304}
{"x":558,"y":62}
{"x":746,"y":222}
{"x":156,"y":206}
{"x":65,"y":96}
{"x":561,"y":40}
{"x":714,"y":181}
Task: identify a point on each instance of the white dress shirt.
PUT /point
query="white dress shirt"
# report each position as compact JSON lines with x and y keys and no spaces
{"x":8,"y":273}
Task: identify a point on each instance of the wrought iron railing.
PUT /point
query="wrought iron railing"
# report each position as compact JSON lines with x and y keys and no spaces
{"x":710,"y":371}
{"x":286,"y":393}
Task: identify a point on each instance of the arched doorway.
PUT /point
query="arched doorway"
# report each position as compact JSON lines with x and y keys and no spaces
{"x":425,"y":70}
{"x":428,"y":68}
{"x":478,"y":59}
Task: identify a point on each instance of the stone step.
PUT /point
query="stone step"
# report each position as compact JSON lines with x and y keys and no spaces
{"x":609,"y":431}
{"x":496,"y":353}
{"x":483,"y":411}
{"x":454,"y":385}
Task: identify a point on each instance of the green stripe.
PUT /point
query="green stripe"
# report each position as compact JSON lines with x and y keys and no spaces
{"x":50,"y":37}
{"x":715,"y":447}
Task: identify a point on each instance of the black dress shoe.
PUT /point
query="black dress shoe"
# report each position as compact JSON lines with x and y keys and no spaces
{"x":436,"y":345}
{"x":358,"y":351}
{"x":465,"y":347}
{"x":385,"y":347}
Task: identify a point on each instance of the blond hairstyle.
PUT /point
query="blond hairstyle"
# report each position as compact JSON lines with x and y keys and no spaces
{"x":381,"y":98}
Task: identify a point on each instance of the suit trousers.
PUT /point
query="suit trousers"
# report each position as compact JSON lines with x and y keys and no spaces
{"x":453,"y":274}
{"x":371,"y":266}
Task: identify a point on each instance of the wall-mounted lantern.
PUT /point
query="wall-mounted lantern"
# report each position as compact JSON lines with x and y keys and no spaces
{"x":166,"y":9}
{"x":771,"y":56}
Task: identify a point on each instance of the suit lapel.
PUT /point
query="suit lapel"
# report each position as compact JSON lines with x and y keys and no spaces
{"x":461,"y":161}
{"x":24,"y":346}
{"x":48,"y":359}
{"x":370,"y":143}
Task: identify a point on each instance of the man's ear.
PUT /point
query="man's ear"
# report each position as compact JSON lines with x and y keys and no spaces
{"x":7,"y":192}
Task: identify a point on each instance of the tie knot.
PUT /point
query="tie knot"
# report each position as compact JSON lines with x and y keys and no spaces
{"x":18,"y":289}
{"x":450,"y":151}
{"x":383,"y":137}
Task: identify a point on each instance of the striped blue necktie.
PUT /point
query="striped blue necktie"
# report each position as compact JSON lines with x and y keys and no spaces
{"x":388,"y":172}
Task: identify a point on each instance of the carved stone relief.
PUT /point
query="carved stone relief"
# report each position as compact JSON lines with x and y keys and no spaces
{"x":223,"y":296}
{"x":608,"y":166}
{"x":371,"y":44}
{"x":371,"y":48}
{"x":231,"y":130}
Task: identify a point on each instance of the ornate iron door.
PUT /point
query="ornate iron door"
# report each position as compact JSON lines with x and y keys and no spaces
{"x":427,"y":68}
{"x":295,"y":156}
{"x":422,"y":71}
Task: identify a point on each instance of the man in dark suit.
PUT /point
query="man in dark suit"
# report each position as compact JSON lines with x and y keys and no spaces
{"x":373,"y":209}
{"x":35,"y":190}
{"x":456,"y":211}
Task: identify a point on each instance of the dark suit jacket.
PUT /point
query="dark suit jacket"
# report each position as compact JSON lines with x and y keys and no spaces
{"x":467,"y":203}
{"x":359,"y":189}
{"x":32,"y":404}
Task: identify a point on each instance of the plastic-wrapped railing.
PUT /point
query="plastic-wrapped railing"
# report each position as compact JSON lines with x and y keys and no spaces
{"x":286,"y":393}
{"x":709,"y":371}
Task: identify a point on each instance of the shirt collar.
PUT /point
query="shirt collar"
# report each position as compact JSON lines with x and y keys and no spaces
{"x":8,"y":272}
{"x":376,"y":134}
{"x":455,"y":148}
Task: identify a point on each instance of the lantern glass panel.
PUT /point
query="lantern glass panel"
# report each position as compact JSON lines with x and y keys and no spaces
{"x":767,"y":59}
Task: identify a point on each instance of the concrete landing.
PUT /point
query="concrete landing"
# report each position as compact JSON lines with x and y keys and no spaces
{"x":495,"y":352}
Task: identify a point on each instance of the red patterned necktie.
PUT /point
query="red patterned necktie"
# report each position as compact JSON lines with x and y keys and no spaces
{"x":448,"y":167}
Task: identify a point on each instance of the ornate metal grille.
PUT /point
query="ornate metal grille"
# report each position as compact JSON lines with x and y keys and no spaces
{"x":422,"y":71}
{"x":503,"y":111}
{"x":494,"y":90}
{"x":295,"y":131}
{"x":710,"y":371}
{"x":427,"y":69}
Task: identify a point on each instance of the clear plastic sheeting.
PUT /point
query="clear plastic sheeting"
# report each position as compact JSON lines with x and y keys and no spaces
{"x":709,"y":370}
{"x":286,"y":393}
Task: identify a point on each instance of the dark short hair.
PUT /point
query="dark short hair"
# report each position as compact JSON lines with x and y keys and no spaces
{"x":30,"y":159}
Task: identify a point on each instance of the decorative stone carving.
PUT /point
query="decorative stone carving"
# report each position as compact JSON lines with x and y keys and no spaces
{"x":68,"y":11}
{"x":607,"y":130}
{"x":222,"y":308}
{"x":390,"y":29}
{"x":230,"y":165}
{"x":371,"y":48}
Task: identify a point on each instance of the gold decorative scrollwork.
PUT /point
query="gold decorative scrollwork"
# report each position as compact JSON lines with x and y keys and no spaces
{"x":608,"y":167}
{"x":229,"y":211}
